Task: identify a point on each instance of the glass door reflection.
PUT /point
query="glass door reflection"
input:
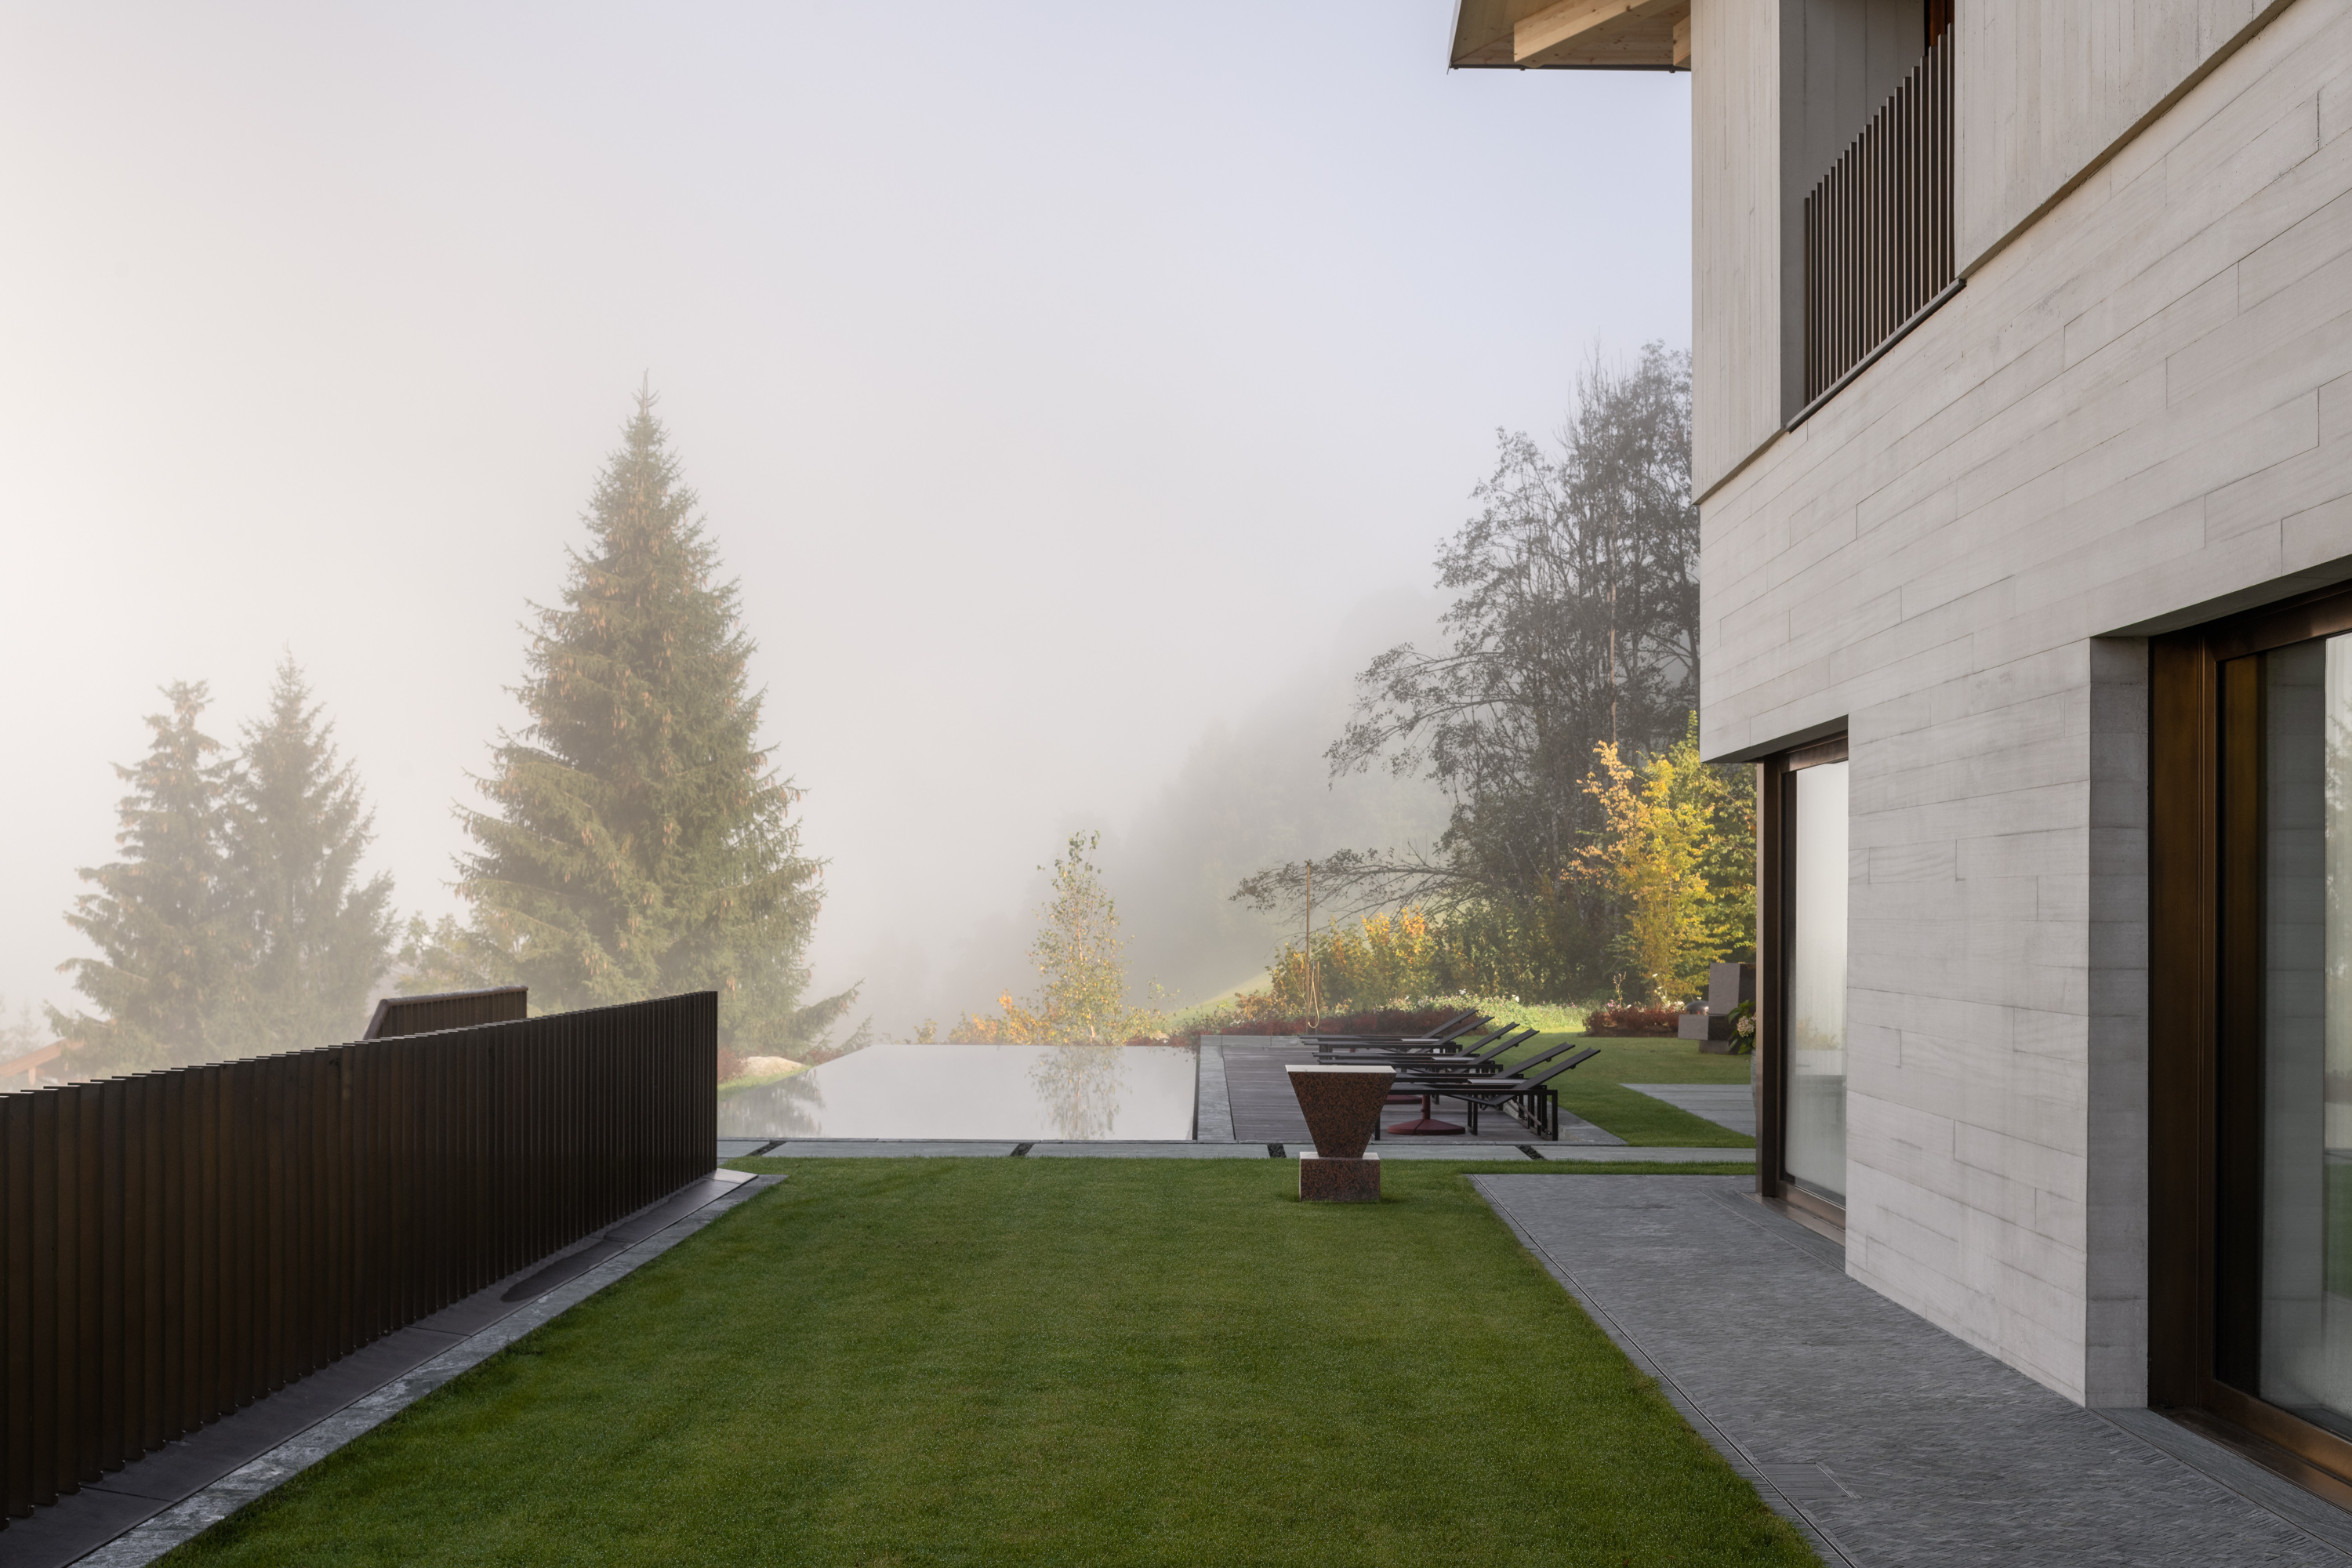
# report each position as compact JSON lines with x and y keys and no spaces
{"x":1814,"y":1139}
{"x":2305,"y":1171}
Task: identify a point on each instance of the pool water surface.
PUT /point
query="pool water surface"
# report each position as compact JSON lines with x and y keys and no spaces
{"x":1020,"y":1092}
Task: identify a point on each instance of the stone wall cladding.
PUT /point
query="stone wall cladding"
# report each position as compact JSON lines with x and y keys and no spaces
{"x":2135,"y":414}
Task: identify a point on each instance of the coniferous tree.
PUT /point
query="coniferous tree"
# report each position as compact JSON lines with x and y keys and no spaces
{"x":640,"y":841}
{"x":161,"y":918}
{"x":295,"y":825}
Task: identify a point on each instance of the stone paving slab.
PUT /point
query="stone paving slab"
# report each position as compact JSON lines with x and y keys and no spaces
{"x":1391,"y":1149}
{"x":1213,"y":1113}
{"x":886,"y":1147}
{"x":1158,"y":1150}
{"x":1886,"y":1440}
{"x":1731,"y":1105}
{"x":1613,"y":1154}
{"x":142,"y":1543}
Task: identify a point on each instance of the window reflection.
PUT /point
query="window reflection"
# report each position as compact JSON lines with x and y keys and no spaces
{"x":1814,"y":1140}
{"x":2306,"y":1081}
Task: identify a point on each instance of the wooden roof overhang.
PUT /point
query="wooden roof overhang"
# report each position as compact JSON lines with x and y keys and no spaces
{"x":1571,"y":35}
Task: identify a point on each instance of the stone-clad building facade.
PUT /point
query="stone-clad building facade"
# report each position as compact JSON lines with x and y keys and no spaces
{"x":2024,"y":463}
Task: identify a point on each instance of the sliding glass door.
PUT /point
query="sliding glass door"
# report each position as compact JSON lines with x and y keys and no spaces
{"x":1814,"y":1151}
{"x":2291,"y":1344}
{"x":1802,"y":1153}
{"x":2250,"y":1029}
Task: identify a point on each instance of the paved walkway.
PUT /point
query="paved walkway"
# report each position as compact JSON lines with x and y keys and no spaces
{"x":1261,"y":1109}
{"x":1886,"y":1439}
{"x":1731,"y":1105}
{"x":1393,"y":1149}
{"x":1245,"y":1109}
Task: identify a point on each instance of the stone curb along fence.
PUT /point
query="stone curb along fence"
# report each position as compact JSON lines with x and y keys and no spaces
{"x":177,"y":1245}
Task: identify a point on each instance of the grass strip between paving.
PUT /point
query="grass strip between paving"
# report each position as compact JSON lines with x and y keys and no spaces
{"x":1100,"y":1361}
{"x":1596,"y":1090}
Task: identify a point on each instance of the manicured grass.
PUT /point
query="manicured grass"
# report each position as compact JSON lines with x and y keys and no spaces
{"x":1091,"y":1362}
{"x":1591,"y":1090}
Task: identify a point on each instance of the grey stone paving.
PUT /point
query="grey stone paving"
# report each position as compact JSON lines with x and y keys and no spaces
{"x":1393,"y":1149}
{"x":1264,"y":1110}
{"x":1213,"y":1115}
{"x":1731,"y":1105}
{"x":895,"y":1147}
{"x":1889,"y":1441}
{"x":215,"y":1502}
{"x":1109,"y":1150}
{"x":1609,"y":1154}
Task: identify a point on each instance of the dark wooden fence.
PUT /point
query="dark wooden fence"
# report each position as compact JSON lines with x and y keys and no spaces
{"x":1878,"y":228}
{"x":180,"y":1244}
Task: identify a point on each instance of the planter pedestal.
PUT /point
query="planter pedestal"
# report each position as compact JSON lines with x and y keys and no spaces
{"x":1322,"y":1181}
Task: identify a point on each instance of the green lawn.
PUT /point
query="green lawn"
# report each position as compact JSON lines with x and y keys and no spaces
{"x":1086,"y":1361}
{"x":1591,"y":1090}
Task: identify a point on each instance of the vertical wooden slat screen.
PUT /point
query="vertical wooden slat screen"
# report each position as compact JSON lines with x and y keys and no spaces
{"x":1877,"y":230}
{"x":174,"y":1246}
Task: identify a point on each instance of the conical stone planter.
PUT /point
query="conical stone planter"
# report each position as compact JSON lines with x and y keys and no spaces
{"x":1342,"y":1106}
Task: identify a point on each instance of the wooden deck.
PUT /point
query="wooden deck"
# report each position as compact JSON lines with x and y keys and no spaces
{"x":1266,"y":1111}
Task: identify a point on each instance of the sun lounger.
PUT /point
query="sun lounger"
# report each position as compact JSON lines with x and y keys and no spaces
{"x":1474,"y":1053}
{"x":1536,"y":1106}
{"x":1424,"y":1085}
{"x":1454,"y":1028}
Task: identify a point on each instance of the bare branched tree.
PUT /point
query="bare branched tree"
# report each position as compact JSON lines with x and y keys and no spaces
{"x":1575,"y":621}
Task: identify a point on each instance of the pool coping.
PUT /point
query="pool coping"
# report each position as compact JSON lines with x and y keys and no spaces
{"x":1181,"y":1149}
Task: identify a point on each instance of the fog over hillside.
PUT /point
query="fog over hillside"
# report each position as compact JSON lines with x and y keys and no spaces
{"x":1078,"y":398}
{"x":1252,"y":790}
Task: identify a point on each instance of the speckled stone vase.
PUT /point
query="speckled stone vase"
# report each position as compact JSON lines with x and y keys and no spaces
{"x":1343,"y":1105}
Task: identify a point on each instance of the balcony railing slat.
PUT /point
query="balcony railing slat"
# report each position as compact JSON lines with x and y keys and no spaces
{"x":1878,"y":226}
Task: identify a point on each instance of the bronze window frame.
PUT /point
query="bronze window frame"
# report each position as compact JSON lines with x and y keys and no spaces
{"x":2204,"y":1023}
{"x":1775,"y":894}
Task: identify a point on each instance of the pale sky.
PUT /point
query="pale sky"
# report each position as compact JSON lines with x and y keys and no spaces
{"x":1074,"y":389}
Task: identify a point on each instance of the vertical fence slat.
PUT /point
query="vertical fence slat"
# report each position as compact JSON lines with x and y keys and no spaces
{"x":50,"y":1259}
{"x":90,"y":1265}
{"x":113,"y":1407}
{"x":16,"y":1364}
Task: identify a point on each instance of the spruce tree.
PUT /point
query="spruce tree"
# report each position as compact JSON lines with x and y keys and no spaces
{"x":640,"y":842}
{"x":295,"y":825}
{"x":171,"y":954}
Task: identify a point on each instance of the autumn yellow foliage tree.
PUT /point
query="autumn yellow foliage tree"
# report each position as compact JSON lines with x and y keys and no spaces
{"x":1080,"y":957}
{"x":1381,"y":959}
{"x":1677,"y":854}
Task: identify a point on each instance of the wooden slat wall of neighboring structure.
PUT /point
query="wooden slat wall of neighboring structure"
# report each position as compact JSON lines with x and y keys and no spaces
{"x":448,"y":1010}
{"x":177,"y":1245}
{"x":1878,"y":228}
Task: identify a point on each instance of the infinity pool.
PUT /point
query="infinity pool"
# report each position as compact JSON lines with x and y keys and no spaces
{"x":1022,"y":1092}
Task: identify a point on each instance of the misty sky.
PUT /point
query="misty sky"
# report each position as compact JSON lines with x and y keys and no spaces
{"x":1079,"y":392}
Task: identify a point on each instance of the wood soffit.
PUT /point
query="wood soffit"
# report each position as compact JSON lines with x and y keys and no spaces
{"x":1572,"y":35}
